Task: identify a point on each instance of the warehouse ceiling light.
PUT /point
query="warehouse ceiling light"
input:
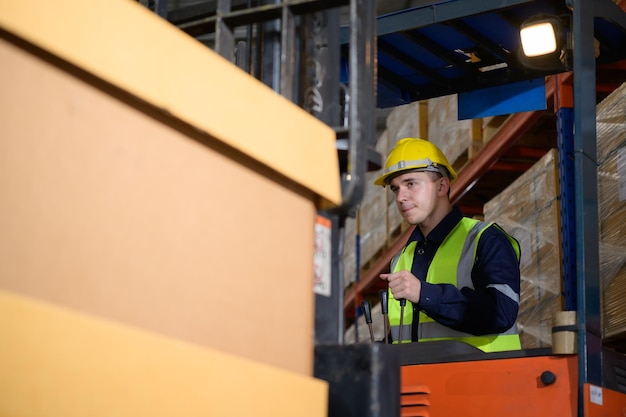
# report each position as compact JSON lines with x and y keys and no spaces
{"x":544,"y":42}
{"x":539,"y":37}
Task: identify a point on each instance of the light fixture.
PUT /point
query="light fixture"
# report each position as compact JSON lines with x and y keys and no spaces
{"x":539,"y":38}
{"x":545,"y":43}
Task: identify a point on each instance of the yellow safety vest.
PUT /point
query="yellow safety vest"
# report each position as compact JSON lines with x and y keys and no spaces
{"x":452,"y":264}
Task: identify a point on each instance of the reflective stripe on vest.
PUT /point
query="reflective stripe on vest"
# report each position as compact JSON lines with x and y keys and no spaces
{"x":452,"y":264}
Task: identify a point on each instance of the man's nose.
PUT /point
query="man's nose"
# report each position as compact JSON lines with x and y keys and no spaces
{"x":401,"y":194}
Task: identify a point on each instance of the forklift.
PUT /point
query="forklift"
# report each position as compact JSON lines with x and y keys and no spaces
{"x":332,"y":59}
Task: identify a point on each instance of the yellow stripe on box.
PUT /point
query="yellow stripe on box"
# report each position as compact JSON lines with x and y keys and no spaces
{"x":56,"y":362}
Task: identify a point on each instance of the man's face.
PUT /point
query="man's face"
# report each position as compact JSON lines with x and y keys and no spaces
{"x":416,"y":195}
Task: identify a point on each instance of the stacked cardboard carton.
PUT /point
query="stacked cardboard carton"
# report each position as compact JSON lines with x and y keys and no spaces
{"x":529,"y":210}
{"x":611,"y":136}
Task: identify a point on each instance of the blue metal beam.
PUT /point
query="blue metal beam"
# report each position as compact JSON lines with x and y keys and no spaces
{"x":567,"y":172}
{"x":433,"y":13}
{"x":439,"y":12}
{"x":610,"y":11}
{"x":586,"y":199}
{"x":586,"y":189}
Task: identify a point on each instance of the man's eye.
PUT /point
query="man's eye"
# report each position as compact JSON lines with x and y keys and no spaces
{"x":394,"y":190}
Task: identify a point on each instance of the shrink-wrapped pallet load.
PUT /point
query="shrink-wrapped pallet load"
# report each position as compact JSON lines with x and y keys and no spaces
{"x":529,"y":210}
{"x":611,"y":137}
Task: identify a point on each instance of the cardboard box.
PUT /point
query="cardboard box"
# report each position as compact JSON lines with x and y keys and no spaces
{"x":131,"y":190}
{"x":611,"y":144}
{"x":528,"y":209}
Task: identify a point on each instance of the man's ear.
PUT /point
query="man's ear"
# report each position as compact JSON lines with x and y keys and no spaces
{"x":444,"y":186}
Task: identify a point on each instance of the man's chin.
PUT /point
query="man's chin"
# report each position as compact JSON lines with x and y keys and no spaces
{"x":411,"y":220}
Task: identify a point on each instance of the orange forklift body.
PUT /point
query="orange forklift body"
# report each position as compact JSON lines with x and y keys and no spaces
{"x":602,"y":402}
{"x":537,"y":386}
{"x":484,"y":388}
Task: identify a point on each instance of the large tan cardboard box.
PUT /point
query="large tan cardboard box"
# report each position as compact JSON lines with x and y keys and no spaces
{"x":147,"y":181}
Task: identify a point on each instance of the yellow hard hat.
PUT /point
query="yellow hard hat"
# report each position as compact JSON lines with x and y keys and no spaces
{"x":411,"y":154}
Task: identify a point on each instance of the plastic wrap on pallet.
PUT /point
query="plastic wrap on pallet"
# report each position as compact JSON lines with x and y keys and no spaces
{"x":451,"y":135}
{"x":528,"y":209}
{"x":377,"y":219}
{"x":611,"y":144}
{"x":402,"y":122}
{"x":371,"y":231}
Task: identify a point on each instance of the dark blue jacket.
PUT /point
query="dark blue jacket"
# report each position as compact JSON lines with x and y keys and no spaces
{"x":477,"y":311}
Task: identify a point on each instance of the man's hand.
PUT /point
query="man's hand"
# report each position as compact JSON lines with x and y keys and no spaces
{"x":404,"y":284}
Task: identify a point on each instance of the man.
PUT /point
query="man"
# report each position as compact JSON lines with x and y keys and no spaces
{"x":459,"y":277}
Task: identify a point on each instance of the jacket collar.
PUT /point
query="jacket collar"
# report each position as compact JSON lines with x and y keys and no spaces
{"x":439,"y":233}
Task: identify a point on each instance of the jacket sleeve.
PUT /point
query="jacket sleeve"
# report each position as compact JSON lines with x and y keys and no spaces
{"x":492,"y":305}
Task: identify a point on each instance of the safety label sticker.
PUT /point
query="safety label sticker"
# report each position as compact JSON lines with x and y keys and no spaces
{"x":322,"y":257}
{"x":595,"y":394}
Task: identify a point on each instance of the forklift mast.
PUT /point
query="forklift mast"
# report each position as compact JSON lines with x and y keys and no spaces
{"x":295,"y":47}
